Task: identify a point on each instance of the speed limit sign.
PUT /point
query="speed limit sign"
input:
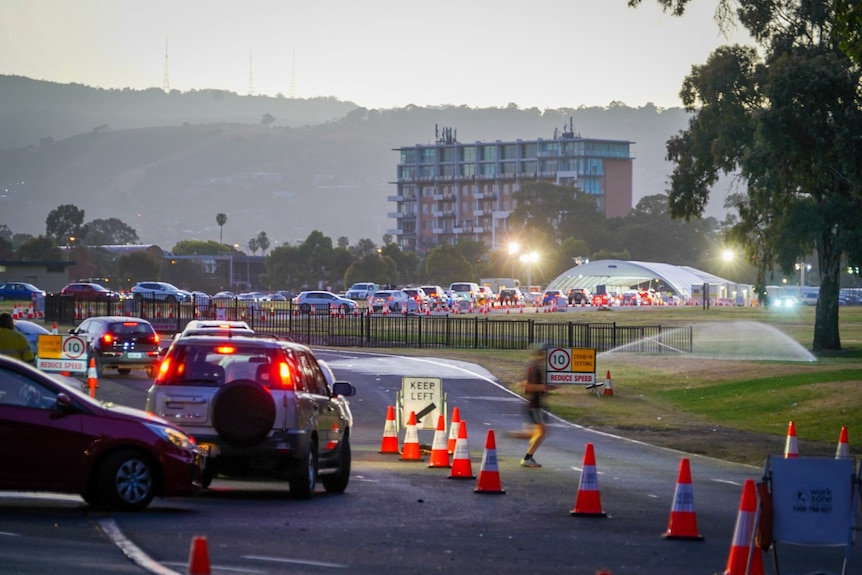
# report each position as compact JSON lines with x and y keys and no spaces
{"x":559,"y":360}
{"x":73,"y":347}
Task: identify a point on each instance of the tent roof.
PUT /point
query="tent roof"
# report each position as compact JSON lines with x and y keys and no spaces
{"x":621,"y":276}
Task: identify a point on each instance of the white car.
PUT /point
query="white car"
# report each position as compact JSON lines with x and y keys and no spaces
{"x":323,"y":302}
{"x":163,"y":291}
{"x":393,"y":300}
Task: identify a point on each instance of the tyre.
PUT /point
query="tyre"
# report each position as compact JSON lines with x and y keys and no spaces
{"x":208,"y":475}
{"x":302,"y":484}
{"x":305,"y":308}
{"x":124,"y":370}
{"x":171,"y":299}
{"x":344,"y":308}
{"x":127,"y":480}
{"x":243,"y":413}
{"x":151,"y":370}
{"x":337,"y":482}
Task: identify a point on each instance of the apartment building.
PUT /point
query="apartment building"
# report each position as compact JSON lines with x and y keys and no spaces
{"x":449,"y":191}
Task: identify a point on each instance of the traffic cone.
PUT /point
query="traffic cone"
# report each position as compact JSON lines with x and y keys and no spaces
{"x":740,"y":548}
{"x":410,"y":450}
{"x":453,"y":430}
{"x":54,"y":329}
{"x":92,"y":377}
{"x":489,"y":473}
{"x":199,"y":557}
{"x":389,"y":444}
{"x":589,"y":501}
{"x":843,"y":451}
{"x":791,"y":447}
{"x":609,"y":386}
{"x":683,"y":522}
{"x":439,"y":453}
{"x":461,"y":466}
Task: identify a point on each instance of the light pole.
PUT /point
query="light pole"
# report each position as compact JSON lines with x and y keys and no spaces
{"x":514,"y":248}
{"x":529,"y":259}
{"x":802,"y":269}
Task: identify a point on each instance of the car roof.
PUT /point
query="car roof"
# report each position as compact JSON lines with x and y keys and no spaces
{"x":262,"y":340}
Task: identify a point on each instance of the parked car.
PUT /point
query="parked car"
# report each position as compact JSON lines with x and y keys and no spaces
{"x":20,"y":291}
{"x":258,"y":407}
{"x":466,"y":291}
{"x":227,"y":328}
{"x":121,"y":343}
{"x":511,"y":297}
{"x":631,"y":298}
{"x":201,"y":299}
{"x":361,"y":291}
{"x":323,"y":302}
{"x":31,"y":331}
{"x":554,"y":297}
{"x":393,"y":300}
{"x":418,"y":295}
{"x":89,"y":291}
{"x":110,"y":455}
{"x":160,"y":291}
{"x":578,"y":296}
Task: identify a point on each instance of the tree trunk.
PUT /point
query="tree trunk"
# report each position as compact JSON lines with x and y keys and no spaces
{"x":826,"y":333}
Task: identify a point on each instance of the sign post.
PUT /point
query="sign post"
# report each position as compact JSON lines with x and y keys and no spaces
{"x":59,"y":353}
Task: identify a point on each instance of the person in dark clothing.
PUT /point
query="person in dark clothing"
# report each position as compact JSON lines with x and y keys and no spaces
{"x":535,"y":389}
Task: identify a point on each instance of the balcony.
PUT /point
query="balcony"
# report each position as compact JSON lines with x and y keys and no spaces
{"x":399,"y":215}
{"x":400,"y":198}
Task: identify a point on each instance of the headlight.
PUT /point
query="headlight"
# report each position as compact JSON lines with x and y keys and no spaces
{"x":172,"y":435}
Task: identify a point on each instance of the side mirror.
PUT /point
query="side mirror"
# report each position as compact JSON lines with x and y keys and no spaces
{"x":344,"y":388}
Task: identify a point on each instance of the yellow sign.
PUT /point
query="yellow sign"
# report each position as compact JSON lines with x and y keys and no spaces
{"x":50,"y":346}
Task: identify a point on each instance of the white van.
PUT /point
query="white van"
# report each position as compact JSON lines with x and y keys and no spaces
{"x":465,"y":292}
{"x":809,"y":297}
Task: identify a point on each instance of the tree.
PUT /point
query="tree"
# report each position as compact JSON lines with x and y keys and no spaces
{"x":138,"y":266}
{"x":221,"y":220}
{"x":446,"y":264}
{"x":65,"y":223}
{"x":364,"y":247}
{"x":111,"y":231}
{"x":262,"y":242}
{"x":253,"y":246}
{"x":789,"y":125}
{"x":41,"y":248}
{"x":267,"y":120}
{"x":201,"y":248}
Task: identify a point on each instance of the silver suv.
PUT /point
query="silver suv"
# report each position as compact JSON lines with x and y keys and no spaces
{"x":257,"y":407}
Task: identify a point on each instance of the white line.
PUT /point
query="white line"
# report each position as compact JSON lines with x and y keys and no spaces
{"x":737,"y":483}
{"x":8,"y":534}
{"x":221,"y":568}
{"x":294,"y":561}
{"x":132,"y":551}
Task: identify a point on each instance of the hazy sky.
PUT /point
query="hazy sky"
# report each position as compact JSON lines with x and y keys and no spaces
{"x":376,"y":53}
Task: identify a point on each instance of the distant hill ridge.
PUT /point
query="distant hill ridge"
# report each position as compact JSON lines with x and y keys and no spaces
{"x":166,"y":164}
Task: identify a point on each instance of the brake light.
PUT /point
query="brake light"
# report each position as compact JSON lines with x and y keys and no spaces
{"x":130,"y":323}
{"x":225,"y":349}
{"x":164,"y":367}
{"x":108,"y":338}
{"x":155,"y":338}
{"x":284,"y":375}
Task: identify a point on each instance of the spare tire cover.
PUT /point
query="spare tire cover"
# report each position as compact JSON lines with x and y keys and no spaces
{"x":243,"y":413}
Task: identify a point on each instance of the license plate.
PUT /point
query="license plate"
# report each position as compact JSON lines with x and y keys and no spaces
{"x":208,"y":449}
{"x":135,"y":355}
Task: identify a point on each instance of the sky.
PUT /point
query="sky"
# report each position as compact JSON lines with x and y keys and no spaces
{"x":375,"y":53}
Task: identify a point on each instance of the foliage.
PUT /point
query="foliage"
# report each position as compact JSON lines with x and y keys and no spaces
{"x":138,"y":266}
{"x":370,"y":268}
{"x":262,"y":242}
{"x":221,"y":220}
{"x":64,"y":224}
{"x":446,"y":264}
{"x":111,"y":231}
{"x":41,"y":248}
{"x":201,"y":248}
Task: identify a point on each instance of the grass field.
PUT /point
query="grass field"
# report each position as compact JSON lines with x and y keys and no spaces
{"x":732,"y":398}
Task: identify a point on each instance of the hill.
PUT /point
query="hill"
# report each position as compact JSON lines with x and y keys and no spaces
{"x":166,"y":164}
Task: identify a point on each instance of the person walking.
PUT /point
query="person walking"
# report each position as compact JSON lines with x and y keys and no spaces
{"x":13,"y":342}
{"x":535,"y":389}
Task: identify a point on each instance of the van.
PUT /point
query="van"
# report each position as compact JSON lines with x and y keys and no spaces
{"x":468,"y":291}
{"x":809,"y":297}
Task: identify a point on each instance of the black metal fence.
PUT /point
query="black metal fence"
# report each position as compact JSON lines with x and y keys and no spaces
{"x":364,"y":329}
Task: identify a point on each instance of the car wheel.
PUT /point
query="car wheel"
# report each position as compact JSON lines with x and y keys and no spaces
{"x":243,"y":413}
{"x":151,"y":370}
{"x":302,"y":484}
{"x":344,"y":308}
{"x":138,"y":297}
{"x":208,"y":475}
{"x":305,"y":308}
{"x":337,"y":482}
{"x":127,"y":480}
{"x":124,"y":370}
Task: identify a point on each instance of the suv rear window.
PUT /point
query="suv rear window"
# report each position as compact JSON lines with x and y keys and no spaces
{"x":218,"y":363}
{"x":131,"y":328}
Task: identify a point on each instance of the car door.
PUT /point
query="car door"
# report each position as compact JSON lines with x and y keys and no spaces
{"x":329,"y":422}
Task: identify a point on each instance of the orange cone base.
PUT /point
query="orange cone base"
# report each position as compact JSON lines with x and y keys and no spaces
{"x":389,"y":445}
{"x":491,"y":489}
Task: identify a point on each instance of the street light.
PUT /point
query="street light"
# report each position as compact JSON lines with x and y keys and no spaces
{"x":514,"y":248}
{"x":802,"y":269}
{"x":529,"y":259}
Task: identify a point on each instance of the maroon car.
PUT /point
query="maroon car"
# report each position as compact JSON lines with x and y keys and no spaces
{"x":89,"y":291}
{"x":58,"y":439}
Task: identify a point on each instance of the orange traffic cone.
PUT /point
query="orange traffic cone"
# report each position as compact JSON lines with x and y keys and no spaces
{"x":609,"y":386}
{"x":199,"y":557}
{"x":683,"y":522}
{"x":843,"y":451}
{"x":453,"y":430}
{"x":461,"y":466}
{"x":92,"y":377}
{"x":389,"y":444}
{"x":791,"y":447}
{"x":589,"y":501}
{"x":740,"y":548}
{"x":439,"y":454}
{"x":54,"y":329}
{"x":410,"y":450}
{"x":489,"y":473}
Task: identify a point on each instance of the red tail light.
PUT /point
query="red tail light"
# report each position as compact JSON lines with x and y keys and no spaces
{"x":164,"y":368}
{"x":284,"y":375}
{"x":155,"y":338}
{"x":108,"y":338}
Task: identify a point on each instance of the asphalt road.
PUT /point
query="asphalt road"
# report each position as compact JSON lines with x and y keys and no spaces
{"x":402,"y":516}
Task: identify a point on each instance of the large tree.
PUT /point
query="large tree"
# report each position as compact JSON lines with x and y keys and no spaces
{"x":221,"y":220}
{"x":789,"y":124}
{"x":65,"y":225}
{"x":111,"y":231}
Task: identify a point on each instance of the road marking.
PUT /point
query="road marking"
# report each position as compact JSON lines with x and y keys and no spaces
{"x":132,"y":551}
{"x":295,"y":561}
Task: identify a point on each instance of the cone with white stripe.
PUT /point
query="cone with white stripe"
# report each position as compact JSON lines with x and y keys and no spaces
{"x":843,"y":451}
{"x":453,"y":430}
{"x":410,"y":451}
{"x":389,"y":444}
{"x":489,"y":473}
{"x":609,"y":385}
{"x":740,"y":548}
{"x":683,"y":522}
{"x":589,"y":501}
{"x":92,"y":377}
{"x":791,"y":446}
{"x":461,"y":465}
{"x":439,"y":451}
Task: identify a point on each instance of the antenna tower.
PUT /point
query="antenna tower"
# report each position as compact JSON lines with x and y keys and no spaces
{"x":166,"y":82}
